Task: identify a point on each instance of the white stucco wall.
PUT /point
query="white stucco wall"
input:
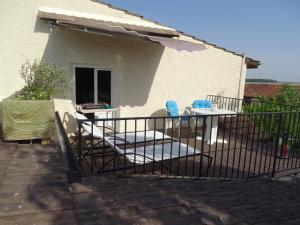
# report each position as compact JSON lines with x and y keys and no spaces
{"x":145,"y":74}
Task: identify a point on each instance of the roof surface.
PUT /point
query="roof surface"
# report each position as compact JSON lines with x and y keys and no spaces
{"x":35,"y":189}
{"x":254,"y":89}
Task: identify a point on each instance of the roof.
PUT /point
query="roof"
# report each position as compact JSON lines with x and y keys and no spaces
{"x":255,"y":89}
{"x":251,"y":63}
{"x":36,"y":189}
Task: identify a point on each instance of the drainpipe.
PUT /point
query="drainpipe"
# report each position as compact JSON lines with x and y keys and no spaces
{"x":51,"y":40}
{"x":241,"y":76}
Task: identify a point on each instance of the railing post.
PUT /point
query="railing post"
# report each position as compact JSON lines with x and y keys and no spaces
{"x":278,"y":131}
{"x":79,"y":142}
{"x":92,"y":157}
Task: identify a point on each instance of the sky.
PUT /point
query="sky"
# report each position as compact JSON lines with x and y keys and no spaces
{"x":265,"y":30}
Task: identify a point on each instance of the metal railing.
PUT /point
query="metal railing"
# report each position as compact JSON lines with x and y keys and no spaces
{"x":257,"y":105}
{"x":227,"y":103}
{"x":250,"y":104}
{"x":246,"y":145}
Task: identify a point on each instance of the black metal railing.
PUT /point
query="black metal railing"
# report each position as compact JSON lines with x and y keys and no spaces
{"x":250,"y":104}
{"x":246,"y":145}
{"x":259,"y":105}
{"x":226,"y":103}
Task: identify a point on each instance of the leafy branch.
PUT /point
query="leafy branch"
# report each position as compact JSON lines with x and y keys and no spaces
{"x":43,"y":81}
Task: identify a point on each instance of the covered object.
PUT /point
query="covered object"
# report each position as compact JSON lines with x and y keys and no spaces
{"x":27,"y":120}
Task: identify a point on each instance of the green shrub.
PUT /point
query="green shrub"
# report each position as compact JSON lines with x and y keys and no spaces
{"x":287,"y":100}
{"x":288,"y":95}
{"x":43,"y":81}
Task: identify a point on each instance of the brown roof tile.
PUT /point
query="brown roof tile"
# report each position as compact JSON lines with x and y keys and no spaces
{"x":264,"y":89}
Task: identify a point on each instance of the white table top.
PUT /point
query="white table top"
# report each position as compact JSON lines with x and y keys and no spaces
{"x":206,"y":111}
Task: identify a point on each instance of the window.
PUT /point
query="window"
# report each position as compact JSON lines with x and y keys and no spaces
{"x":104,"y":86}
{"x":93,"y":85}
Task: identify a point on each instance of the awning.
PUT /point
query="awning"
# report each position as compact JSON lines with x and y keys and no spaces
{"x":91,"y":22}
{"x":179,"y":45}
{"x":252,"y":63}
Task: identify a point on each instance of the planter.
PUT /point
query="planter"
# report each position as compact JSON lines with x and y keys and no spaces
{"x":27,"y":120}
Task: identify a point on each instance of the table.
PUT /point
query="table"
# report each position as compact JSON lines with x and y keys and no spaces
{"x":211,"y":132}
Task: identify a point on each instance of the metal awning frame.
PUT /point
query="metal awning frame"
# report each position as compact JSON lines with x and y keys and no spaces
{"x":177,"y":44}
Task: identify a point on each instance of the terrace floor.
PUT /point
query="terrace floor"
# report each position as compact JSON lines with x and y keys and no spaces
{"x":36,"y":189}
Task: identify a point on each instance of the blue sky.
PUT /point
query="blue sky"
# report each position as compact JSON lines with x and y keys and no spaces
{"x":267,"y":30}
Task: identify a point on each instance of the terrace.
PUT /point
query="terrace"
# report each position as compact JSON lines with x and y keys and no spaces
{"x":47,"y":184}
{"x":248,"y":143}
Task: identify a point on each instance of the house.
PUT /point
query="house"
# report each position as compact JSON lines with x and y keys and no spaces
{"x":130,"y":62}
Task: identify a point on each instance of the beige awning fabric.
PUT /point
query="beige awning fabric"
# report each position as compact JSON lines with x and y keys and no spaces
{"x":111,"y":25}
{"x":96,"y":19}
{"x":179,"y":45}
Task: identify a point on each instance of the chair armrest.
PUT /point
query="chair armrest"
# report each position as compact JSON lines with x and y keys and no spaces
{"x":188,"y":109}
{"x":185,"y":112}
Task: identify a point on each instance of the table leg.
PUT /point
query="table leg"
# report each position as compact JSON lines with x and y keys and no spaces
{"x":211,"y":130}
{"x":211,"y":133}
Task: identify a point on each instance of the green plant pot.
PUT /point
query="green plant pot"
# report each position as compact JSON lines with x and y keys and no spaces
{"x":27,"y":120}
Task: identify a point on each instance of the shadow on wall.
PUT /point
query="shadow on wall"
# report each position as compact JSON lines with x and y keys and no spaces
{"x":69,"y":121}
{"x":66,"y":109}
{"x":159,"y":123}
{"x":138,"y":72}
{"x":134,"y":62}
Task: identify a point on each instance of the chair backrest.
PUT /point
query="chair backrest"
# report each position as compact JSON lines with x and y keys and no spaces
{"x":172,"y":108}
{"x":201,"y":104}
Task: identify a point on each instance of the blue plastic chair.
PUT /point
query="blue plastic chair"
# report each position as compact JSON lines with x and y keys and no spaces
{"x":172,"y":108}
{"x":200,"y":104}
{"x":173,"y":111}
{"x":197,"y":104}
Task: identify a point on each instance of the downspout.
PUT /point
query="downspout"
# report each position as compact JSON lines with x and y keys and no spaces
{"x":51,"y":40}
{"x":241,"y":76}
